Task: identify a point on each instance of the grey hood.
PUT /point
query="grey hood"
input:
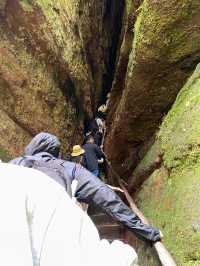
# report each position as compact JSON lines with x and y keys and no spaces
{"x":43,"y":142}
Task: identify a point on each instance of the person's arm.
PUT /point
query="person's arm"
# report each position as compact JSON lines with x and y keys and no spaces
{"x":17,"y":161}
{"x":92,"y":190}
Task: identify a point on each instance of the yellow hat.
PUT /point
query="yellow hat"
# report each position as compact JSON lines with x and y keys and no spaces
{"x":77,"y":151}
{"x":102,"y":108}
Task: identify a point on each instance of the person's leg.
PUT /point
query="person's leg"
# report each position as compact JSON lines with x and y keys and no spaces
{"x":95,"y":172}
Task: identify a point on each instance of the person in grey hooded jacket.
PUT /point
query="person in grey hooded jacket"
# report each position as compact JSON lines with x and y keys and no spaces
{"x":91,"y":190}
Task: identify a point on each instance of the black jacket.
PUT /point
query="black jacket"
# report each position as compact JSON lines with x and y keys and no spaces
{"x":92,"y":154}
{"x":90,"y":189}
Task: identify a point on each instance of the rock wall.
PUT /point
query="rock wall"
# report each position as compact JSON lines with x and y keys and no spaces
{"x":170,"y":196}
{"x":55,"y":59}
{"x":30,"y":100}
{"x":156,"y":60}
{"x":159,"y":52}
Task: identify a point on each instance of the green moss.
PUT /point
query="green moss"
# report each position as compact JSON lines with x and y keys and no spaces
{"x":162,"y":29}
{"x":138,"y":24}
{"x":180,"y":131}
{"x":54,"y":13}
{"x":4,"y":155}
{"x":172,"y":204}
{"x":170,"y":197}
{"x":26,"y":5}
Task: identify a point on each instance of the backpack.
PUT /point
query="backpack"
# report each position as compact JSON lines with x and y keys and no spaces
{"x":52,"y":168}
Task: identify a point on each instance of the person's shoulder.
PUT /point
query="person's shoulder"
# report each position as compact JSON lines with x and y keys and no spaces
{"x":16,"y":160}
{"x":86,"y":146}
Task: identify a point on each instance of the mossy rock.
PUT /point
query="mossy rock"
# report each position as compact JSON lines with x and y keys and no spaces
{"x":4,"y":155}
{"x":170,"y":197}
{"x":180,"y":131}
{"x":165,"y":51}
{"x":172,"y":204}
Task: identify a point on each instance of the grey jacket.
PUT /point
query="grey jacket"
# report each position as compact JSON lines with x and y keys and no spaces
{"x":90,"y":189}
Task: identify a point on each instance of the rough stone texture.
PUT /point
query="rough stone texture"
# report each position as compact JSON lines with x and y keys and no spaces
{"x":151,"y":161}
{"x":44,"y":26}
{"x":165,"y":50}
{"x":123,"y":56}
{"x":76,"y":35}
{"x":12,"y":136}
{"x":30,"y":100}
{"x":54,"y":56}
{"x":170,"y":197}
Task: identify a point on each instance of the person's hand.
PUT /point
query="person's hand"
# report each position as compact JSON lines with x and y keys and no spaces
{"x":161,"y":235}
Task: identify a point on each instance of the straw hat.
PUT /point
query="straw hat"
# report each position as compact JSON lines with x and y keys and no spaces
{"x":77,"y":151}
{"x":102,"y":108}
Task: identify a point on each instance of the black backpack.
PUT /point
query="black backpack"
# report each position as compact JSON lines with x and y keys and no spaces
{"x":52,"y":168}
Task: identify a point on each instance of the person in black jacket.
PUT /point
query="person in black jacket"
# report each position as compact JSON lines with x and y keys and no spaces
{"x":90,"y":189}
{"x":93,"y":155}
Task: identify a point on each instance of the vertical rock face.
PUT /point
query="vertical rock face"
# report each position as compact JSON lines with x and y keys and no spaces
{"x":76,"y":36}
{"x":164,"y":50}
{"x":54,"y":56}
{"x":170,"y":197}
{"x":30,"y":100}
{"x":124,"y":50}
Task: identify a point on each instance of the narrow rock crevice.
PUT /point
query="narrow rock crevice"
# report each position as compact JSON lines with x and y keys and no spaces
{"x":113,"y":19}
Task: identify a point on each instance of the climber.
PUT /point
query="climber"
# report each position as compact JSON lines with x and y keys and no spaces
{"x":45,"y":148}
{"x":90,"y":127}
{"x":93,"y":155}
{"x":40,"y":225}
{"x":96,"y":128}
{"x":98,"y":136}
{"x":77,"y":155}
{"x":101,"y":124}
{"x":103,"y":109}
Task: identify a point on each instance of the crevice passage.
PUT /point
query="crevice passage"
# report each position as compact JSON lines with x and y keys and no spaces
{"x":113,"y":17}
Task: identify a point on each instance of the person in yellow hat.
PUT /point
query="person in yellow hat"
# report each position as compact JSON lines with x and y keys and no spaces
{"x":77,"y":155}
{"x":102,"y":108}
